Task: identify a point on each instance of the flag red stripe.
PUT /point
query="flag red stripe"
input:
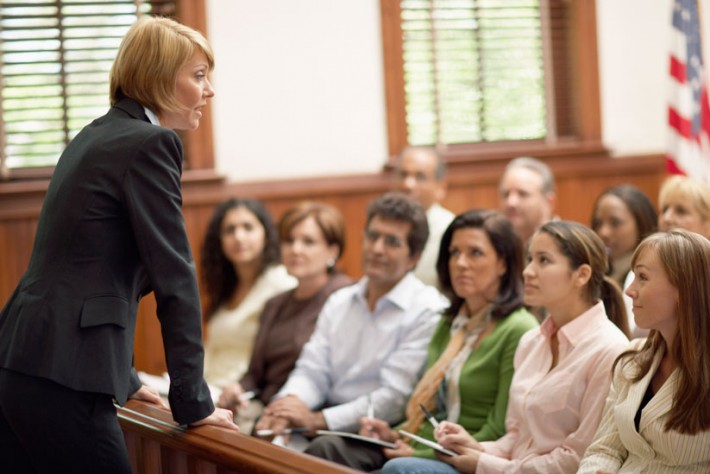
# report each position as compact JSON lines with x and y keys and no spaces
{"x":677,"y":69}
{"x":680,"y":124}
{"x":672,"y":167}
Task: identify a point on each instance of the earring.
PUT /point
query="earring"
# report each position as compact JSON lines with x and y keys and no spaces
{"x":330,"y":263}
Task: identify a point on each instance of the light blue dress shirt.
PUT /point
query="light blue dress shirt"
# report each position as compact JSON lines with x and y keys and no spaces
{"x":355,"y":352}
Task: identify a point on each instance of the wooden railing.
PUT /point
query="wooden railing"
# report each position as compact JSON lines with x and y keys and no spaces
{"x":157,"y":445}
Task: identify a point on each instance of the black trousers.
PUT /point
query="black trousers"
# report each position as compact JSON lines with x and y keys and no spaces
{"x":352,"y":453}
{"x":46,"y":427}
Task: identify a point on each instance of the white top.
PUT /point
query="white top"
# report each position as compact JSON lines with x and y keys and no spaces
{"x":438,"y":219}
{"x":230,"y":332}
{"x":355,"y":354}
{"x":151,"y":116}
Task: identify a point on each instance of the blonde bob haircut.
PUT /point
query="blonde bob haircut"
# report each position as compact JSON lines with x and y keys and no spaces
{"x":149,"y":59}
{"x":684,"y":189}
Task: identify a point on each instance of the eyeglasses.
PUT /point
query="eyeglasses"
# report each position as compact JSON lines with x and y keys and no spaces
{"x":391,"y":241}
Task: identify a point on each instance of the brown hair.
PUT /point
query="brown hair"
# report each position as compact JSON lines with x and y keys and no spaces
{"x":685,"y":257}
{"x":508,"y":248}
{"x":401,"y":207}
{"x":327,"y":218}
{"x":149,"y":59}
{"x":582,"y":246}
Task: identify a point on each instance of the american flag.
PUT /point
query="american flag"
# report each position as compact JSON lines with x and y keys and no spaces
{"x":688,"y":109}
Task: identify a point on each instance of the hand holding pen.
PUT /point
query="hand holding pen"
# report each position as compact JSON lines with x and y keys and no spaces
{"x":454,"y":436}
{"x":374,"y":428}
{"x":377,"y":429}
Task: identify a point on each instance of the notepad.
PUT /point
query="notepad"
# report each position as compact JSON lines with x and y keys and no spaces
{"x":426,"y":442}
{"x":355,"y":436}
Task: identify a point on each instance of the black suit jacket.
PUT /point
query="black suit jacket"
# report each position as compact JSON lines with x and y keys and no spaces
{"x":110,"y":231}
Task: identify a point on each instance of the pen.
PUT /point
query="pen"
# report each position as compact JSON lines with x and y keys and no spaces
{"x":287,"y":431}
{"x":429,"y":416}
{"x":370,"y":411}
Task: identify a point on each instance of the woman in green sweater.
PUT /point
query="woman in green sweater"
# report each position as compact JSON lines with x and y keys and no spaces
{"x":470,"y":363}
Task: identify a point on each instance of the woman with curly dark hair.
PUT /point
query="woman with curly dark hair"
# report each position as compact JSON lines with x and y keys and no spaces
{"x":240,"y":271}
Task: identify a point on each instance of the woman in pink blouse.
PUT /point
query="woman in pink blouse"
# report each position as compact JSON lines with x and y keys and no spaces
{"x":562,"y":368}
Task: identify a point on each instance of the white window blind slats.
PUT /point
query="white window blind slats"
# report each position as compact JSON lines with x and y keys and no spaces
{"x":55,"y":58}
{"x":473,"y":70}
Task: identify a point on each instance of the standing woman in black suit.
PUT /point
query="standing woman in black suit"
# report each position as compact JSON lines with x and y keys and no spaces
{"x":110,"y":231}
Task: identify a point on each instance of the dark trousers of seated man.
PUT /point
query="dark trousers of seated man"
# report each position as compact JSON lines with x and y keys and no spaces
{"x":48,"y":428}
{"x":352,"y":453}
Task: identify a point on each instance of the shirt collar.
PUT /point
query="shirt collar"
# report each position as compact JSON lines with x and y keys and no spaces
{"x":151,"y":116}
{"x":579,"y":327}
{"x":401,"y":295}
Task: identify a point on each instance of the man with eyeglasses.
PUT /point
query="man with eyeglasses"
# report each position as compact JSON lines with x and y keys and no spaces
{"x":370,"y":341}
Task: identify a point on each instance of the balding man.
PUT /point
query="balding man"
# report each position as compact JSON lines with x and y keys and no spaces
{"x":527,"y":195}
{"x":420,"y":172}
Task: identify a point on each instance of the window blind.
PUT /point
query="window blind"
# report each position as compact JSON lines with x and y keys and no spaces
{"x":55,"y":58}
{"x":473,"y":70}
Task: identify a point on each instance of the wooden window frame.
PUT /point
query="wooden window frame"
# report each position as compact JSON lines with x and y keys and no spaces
{"x":198,"y":144}
{"x":583,"y":82}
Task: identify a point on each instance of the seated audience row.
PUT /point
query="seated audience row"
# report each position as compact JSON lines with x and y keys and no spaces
{"x":312,"y":239}
{"x":562,"y":369}
{"x":321,"y":394}
{"x":370,"y":339}
{"x":240,"y":253}
{"x":470,"y":361}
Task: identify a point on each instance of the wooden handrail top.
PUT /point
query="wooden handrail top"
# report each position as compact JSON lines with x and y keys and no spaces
{"x":223,"y":447}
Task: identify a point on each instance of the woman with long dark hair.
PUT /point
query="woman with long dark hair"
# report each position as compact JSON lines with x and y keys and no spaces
{"x":623,"y":216}
{"x":241,"y":271}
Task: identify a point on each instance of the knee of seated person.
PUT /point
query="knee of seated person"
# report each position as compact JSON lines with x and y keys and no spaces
{"x":326,"y":447}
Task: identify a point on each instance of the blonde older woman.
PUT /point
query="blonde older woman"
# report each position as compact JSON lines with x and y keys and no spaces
{"x":684,"y":204}
{"x":110,"y":232}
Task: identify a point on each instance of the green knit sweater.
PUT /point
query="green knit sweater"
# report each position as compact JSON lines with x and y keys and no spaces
{"x":485,"y":378}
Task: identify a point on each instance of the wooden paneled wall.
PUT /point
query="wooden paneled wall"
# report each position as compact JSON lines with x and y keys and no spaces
{"x":471,"y":185}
